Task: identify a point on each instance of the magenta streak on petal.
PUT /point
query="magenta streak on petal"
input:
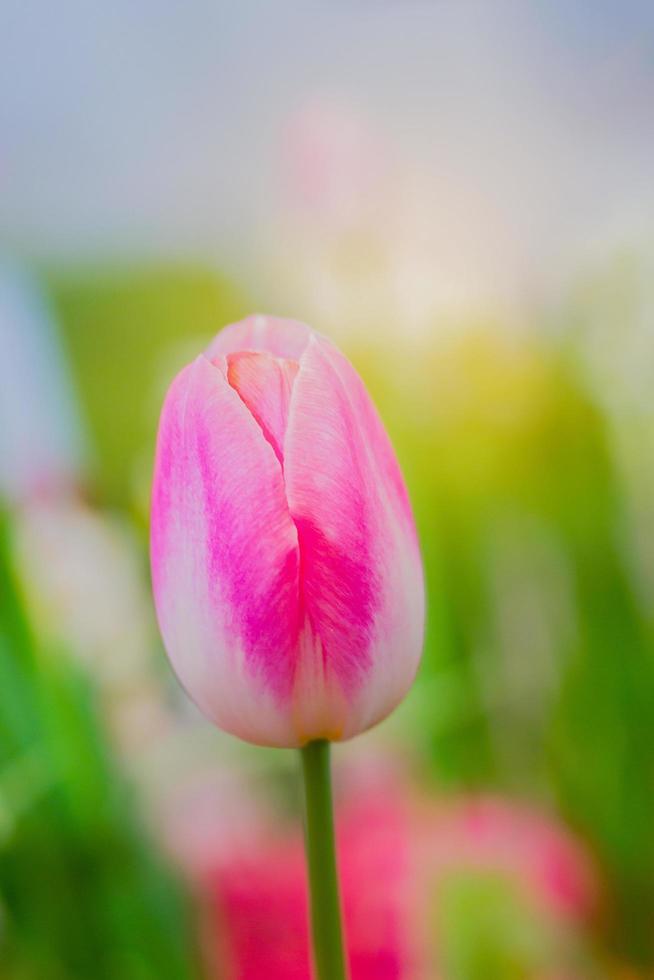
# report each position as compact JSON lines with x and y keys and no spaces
{"x":170,"y":451}
{"x":334,"y":505}
{"x":337,"y":599}
{"x":335,"y":587}
{"x":266,"y":619}
{"x":219,"y":496}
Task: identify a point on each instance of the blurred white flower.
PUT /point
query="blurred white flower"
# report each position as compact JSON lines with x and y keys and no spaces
{"x":41,"y":445}
{"x":87,"y":590}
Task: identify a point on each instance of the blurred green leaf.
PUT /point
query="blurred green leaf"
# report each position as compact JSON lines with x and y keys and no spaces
{"x":83,"y":890}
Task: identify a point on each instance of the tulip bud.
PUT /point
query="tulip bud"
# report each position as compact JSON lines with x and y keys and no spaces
{"x":285,"y":564}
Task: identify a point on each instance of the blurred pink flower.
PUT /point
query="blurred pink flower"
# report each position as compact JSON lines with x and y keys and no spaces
{"x":259,"y":898}
{"x":393,"y":855}
{"x":491,"y":834}
{"x":333,"y":166}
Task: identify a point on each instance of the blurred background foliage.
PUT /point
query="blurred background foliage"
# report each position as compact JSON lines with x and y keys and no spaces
{"x":84,"y":892}
{"x":538,"y":674}
{"x":460,"y":196}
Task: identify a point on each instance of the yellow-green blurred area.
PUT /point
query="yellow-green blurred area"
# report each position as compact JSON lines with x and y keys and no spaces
{"x":460,"y":196}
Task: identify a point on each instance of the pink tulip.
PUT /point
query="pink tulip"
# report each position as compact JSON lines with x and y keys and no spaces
{"x":286,"y":568}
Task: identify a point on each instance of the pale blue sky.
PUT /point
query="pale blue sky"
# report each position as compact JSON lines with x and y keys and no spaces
{"x":153,"y":126}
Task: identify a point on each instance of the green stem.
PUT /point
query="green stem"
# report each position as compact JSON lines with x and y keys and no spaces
{"x":326,"y":927}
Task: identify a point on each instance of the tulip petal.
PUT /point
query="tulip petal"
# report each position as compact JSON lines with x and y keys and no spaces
{"x":224,"y":557}
{"x":264,"y":383}
{"x":360,"y":569}
{"x":283,"y":338}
